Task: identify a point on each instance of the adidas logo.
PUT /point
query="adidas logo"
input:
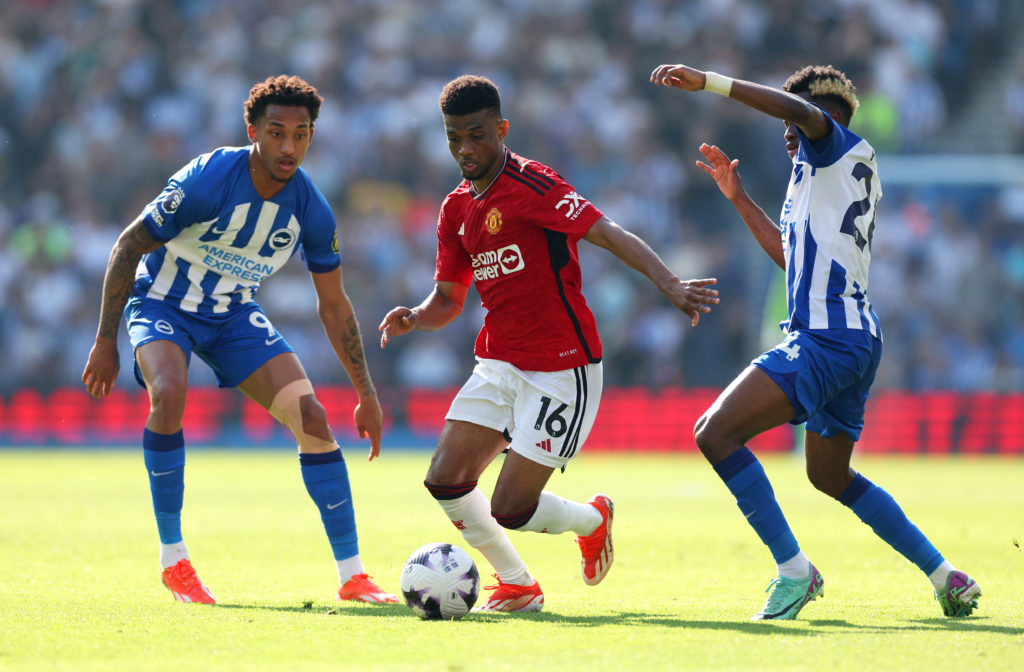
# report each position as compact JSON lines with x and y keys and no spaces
{"x":545,"y":445}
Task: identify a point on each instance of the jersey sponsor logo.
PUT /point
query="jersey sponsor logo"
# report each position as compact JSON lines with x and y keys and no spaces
{"x":172,"y":200}
{"x":492,"y":222}
{"x":574,"y":204}
{"x":495,"y":263}
{"x":239,"y":265}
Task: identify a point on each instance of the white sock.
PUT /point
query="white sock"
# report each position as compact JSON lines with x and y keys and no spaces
{"x":471,"y":513}
{"x":348,"y":568}
{"x":941,"y":573}
{"x":555,"y":515}
{"x":797,"y":567}
{"x":171,"y":554}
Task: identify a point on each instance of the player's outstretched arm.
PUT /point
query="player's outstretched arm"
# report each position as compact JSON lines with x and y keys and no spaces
{"x":773,"y":102}
{"x":339,"y":319}
{"x":103,"y":365}
{"x":437,"y":311}
{"x":726,"y":175}
{"x":692,"y":297}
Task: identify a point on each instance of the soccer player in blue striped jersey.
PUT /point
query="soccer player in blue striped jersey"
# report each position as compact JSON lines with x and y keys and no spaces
{"x":185,"y":275}
{"x":822,"y":371}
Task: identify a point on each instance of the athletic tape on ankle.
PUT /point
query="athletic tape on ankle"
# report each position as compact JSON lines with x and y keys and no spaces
{"x":717,"y":83}
{"x":287,"y":410}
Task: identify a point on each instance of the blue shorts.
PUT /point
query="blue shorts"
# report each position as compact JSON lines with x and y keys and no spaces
{"x":234,"y":344}
{"x":827,"y":375}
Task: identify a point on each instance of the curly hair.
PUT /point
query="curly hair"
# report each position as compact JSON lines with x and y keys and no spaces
{"x":828,"y":86}
{"x":282,"y":90}
{"x":470,"y":93}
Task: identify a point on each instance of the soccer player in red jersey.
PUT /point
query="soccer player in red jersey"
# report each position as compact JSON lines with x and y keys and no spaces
{"x":512,"y":226}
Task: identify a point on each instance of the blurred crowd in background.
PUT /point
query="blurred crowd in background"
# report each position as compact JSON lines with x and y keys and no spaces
{"x":102,"y":100}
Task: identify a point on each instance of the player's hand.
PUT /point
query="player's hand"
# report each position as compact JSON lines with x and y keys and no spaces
{"x":722,"y":170}
{"x":694,"y":297}
{"x":397,"y":322}
{"x":102,"y":367}
{"x":680,"y":76}
{"x":369,"y":419}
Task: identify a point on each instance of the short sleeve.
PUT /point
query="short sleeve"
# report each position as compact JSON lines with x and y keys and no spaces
{"x":181,"y":203}
{"x":320,"y":246}
{"x":453,"y":263}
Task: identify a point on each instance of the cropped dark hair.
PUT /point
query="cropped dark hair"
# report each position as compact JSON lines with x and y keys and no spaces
{"x":282,"y":90}
{"x":829,"y":87}
{"x":468,"y":94}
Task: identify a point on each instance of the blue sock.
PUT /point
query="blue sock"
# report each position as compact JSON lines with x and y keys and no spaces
{"x":326,"y":479}
{"x":879,"y":510}
{"x":746,"y":480}
{"x":164,"y":455}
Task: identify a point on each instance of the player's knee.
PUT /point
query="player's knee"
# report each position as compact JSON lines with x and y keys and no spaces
{"x":514,"y":520}
{"x":443,"y":492}
{"x":708,"y":437}
{"x":296,"y":407}
{"x":828,"y":481}
{"x":167,"y":399}
{"x":313,"y":417}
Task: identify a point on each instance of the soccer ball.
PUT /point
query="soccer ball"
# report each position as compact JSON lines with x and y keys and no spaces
{"x":440,"y":581}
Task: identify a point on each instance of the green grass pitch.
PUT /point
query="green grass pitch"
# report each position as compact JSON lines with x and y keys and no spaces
{"x":80,"y":586}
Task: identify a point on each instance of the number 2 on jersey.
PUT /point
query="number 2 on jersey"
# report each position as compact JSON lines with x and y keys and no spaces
{"x":861,"y":171}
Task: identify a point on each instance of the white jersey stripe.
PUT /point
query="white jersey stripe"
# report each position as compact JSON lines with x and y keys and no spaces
{"x":835,"y":181}
{"x":165,"y":277}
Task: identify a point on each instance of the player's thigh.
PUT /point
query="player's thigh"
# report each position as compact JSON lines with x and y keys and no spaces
{"x":752,"y":403}
{"x":463,"y":451}
{"x":519,"y":484}
{"x":554,"y":413}
{"x":164,"y":367}
{"x":241,"y":345}
{"x":846,"y":373}
{"x":281,"y":387}
{"x":263,"y":384}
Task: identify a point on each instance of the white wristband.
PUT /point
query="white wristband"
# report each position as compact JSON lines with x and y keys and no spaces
{"x":717,"y":83}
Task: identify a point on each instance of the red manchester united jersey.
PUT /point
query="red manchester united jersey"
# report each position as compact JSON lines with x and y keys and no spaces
{"x":517,"y":241}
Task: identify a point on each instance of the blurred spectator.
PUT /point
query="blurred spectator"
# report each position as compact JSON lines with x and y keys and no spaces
{"x":105,"y":98}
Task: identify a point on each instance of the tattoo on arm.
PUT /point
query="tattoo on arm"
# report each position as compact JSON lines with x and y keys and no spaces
{"x":353,"y":348}
{"x":120,"y":276}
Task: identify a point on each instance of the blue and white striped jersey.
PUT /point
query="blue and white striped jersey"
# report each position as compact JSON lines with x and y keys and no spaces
{"x":827,"y":224}
{"x":222,"y":239}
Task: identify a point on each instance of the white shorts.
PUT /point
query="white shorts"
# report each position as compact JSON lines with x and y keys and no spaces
{"x":549,"y":414}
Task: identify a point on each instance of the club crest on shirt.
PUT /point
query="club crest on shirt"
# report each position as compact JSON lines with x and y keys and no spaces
{"x":334,"y":243}
{"x":282,"y":239}
{"x":493,"y":221}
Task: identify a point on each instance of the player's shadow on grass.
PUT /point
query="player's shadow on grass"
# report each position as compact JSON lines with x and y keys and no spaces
{"x":348,"y":609}
{"x":808,"y":626}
